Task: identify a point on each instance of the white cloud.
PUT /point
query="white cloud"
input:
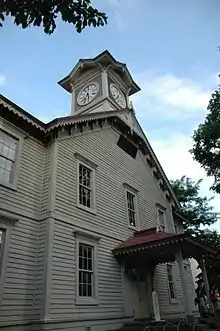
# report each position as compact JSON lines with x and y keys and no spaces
{"x":171,"y":96}
{"x":2,"y":80}
{"x":173,"y":154}
{"x":183,"y":102}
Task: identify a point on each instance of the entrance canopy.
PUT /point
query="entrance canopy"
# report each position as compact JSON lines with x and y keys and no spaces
{"x":153,"y":246}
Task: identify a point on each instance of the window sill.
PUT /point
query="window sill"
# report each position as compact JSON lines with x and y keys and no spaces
{"x":86,"y":302}
{"x":134,"y":228}
{"x":89,"y":210}
{"x":11,"y":186}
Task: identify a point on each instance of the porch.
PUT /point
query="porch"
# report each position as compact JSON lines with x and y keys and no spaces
{"x":140,"y":254}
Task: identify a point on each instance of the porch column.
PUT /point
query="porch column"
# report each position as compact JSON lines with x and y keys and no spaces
{"x":149,"y":285}
{"x":206,"y":284}
{"x":186,"y":296}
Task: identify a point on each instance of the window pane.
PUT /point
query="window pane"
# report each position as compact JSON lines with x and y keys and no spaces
{"x":130,"y":198}
{"x":85,"y":270}
{"x":89,"y":264}
{"x":131,"y":217}
{"x":84,"y":196}
{"x":90,"y":290}
{"x":2,"y":235}
{"x":172,"y":294}
{"x":1,"y":174}
{"x":161,"y":217}
{"x":85,"y":176}
{"x":131,"y":209}
{"x":6,"y":176}
{"x":2,"y":162}
{"x":7,"y":156}
{"x":80,"y":263}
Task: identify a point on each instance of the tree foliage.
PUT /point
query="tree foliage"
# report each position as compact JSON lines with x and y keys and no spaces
{"x":196,"y":209}
{"x":79,"y":13}
{"x":206,"y":141}
{"x":212,"y":238}
{"x":199,"y":213}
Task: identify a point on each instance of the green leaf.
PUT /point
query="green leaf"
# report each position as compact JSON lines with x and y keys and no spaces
{"x":44,"y":13}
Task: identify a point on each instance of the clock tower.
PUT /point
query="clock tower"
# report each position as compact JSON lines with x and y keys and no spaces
{"x":99,"y":84}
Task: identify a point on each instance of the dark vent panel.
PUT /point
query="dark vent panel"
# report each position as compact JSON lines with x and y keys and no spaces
{"x":127,"y":146}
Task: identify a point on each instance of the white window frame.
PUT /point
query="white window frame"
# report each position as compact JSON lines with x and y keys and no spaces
{"x":5,"y":225}
{"x":134,"y":193}
{"x":172,"y":300}
{"x":9,"y":130}
{"x":87,"y":239}
{"x":91,"y":166}
{"x":162,"y":227}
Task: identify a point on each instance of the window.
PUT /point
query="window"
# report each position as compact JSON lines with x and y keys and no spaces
{"x":86,"y":273}
{"x":172,"y":290}
{"x":176,"y":228}
{"x":86,"y":268}
{"x":161,"y":217}
{"x":2,"y":236}
{"x":86,"y":186}
{"x":8,"y":148}
{"x":132,"y":208}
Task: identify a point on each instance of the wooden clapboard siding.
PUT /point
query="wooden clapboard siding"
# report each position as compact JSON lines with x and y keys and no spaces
{"x":63,"y":301}
{"x":27,"y":197}
{"x":18,"y":290}
{"x":114,"y":167}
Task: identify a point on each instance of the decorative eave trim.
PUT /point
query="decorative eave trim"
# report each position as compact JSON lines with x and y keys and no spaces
{"x":47,"y":132}
{"x":95,"y":61}
{"x":18,"y":112}
{"x":166,"y":242}
{"x":161,"y":243}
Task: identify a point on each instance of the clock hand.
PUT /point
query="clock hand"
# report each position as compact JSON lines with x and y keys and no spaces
{"x":87,"y":96}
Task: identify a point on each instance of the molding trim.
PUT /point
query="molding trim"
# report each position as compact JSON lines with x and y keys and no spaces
{"x":85,"y":160}
{"x":6,"y":225}
{"x":48,"y":268}
{"x":53,"y":177}
{"x":130,"y":188}
{"x":86,"y":234}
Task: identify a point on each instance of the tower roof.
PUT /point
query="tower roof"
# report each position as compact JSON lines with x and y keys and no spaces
{"x":103,"y":60}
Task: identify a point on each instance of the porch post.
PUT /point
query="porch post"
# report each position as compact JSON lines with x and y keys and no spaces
{"x":149,"y":283}
{"x":186,"y":296}
{"x":206,"y":284}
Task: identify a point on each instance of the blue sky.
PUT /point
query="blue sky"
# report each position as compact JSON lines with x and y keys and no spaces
{"x":170,"y":48}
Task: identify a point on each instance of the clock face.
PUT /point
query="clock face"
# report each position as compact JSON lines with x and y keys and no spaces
{"x":117,"y":95}
{"x":87,"y":93}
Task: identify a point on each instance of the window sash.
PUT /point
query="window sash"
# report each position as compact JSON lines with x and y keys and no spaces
{"x":131,"y":207}
{"x":85,"y":270}
{"x":85,"y":185}
{"x":2,"y":240}
{"x":8,"y":150}
{"x":161,"y":217}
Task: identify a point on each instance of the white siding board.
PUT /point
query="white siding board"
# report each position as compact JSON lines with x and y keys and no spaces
{"x":27,"y":197}
{"x":46,"y":179}
{"x":114,"y":168}
{"x":18,"y":301}
{"x":64,"y":275}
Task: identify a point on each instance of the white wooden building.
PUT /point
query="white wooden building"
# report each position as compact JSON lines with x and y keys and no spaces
{"x":71,"y":194}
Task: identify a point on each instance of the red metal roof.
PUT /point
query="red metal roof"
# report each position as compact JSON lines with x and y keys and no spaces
{"x":145,"y":237}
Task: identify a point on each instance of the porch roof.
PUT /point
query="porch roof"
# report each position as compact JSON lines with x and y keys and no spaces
{"x":161,"y":246}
